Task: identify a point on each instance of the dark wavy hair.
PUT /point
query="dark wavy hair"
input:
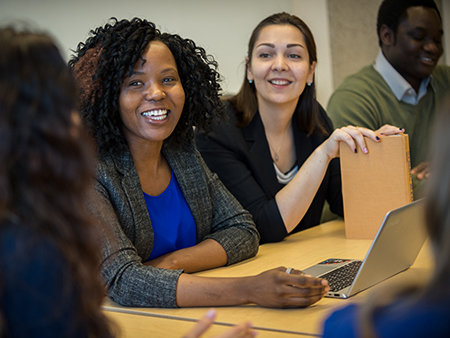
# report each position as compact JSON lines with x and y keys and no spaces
{"x":108,"y":56}
{"x":47,"y":162}
{"x":245,"y":101}
{"x":391,"y":12}
{"x":437,"y":220}
{"x":437,"y":210}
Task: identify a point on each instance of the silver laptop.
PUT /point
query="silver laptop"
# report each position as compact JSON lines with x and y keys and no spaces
{"x":394,"y":249}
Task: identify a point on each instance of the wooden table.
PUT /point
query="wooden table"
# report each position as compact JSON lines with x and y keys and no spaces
{"x":299,"y":251}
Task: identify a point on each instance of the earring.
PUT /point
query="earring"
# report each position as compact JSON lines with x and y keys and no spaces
{"x":250,"y":81}
{"x":309,"y":84}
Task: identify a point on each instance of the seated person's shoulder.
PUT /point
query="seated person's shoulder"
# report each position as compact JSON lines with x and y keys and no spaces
{"x":38,"y":285}
{"x":22,"y":246}
{"x":442,"y":74}
{"x":223,"y":129}
{"x":365,"y":80}
{"x":402,"y":319}
{"x":341,"y":323}
{"x":231,"y":114}
{"x":442,"y":69}
{"x":325,"y":119}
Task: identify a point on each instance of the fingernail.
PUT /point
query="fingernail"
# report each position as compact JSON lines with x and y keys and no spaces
{"x":354,"y":151}
{"x":377,"y":138}
{"x":401,"y":128}
{"x":365,"y":151}
{"x":211,"y":314}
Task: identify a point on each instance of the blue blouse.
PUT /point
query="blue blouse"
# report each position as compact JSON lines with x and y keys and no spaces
{"x":38,"y":296}
{"x":412,"y":319}
{"x":172,"y":221}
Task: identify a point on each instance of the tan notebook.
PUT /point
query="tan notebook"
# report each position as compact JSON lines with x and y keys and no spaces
{"x":374,"y":183}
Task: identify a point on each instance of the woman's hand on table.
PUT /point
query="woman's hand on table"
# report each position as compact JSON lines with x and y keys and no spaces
{"x":277,"y":289}
{"x":242,"y":330}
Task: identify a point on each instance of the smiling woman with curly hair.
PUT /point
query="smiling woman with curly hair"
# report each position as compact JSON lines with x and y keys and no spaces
{"x":142,"y":94}
{"x":109,"y":55}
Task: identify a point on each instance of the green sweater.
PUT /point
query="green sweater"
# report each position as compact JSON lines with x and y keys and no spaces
{"x":364,"y":99}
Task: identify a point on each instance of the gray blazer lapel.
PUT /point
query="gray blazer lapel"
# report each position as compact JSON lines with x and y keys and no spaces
{"x":193,"y":185}
{"x":132,"y":189}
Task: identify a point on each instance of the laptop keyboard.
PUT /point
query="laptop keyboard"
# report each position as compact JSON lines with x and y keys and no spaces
{"x":342,"y":277}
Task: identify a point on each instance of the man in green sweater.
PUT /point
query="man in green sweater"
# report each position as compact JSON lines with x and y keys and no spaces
{"x":404,"y":87}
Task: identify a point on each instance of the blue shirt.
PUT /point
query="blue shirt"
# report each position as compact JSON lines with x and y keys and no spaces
{"x":172,"y":221}
{"x":412,"y":319}
{"x":38,"y":296}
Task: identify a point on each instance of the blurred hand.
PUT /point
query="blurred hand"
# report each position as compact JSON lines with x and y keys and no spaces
{"x":422,"y":170}
{"x":242,"y":330}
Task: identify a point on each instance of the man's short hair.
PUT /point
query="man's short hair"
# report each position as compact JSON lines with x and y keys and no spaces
{"x":391,"y":12}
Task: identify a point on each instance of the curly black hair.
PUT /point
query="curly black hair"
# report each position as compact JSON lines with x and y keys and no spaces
{"x":391,"y":12}
{"x":108,"y":56}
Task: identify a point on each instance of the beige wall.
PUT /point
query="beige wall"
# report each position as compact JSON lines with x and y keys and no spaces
{"x":221,"y":27}
{"x":315,"y":15}
{"x":354,"y":41}
{"x":446,"y":19}
{"x":344,"y":30}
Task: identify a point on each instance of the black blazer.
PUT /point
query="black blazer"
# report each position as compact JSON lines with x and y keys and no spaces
{"x":241,"y":157}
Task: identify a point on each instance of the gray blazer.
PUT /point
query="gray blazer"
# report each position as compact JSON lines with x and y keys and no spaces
{"x":119,"y":204}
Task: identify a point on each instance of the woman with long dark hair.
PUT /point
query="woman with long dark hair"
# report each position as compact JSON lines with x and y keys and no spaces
{"x":49,"y":261}
{"x":276,"y":151}
{"x":142,"y":94}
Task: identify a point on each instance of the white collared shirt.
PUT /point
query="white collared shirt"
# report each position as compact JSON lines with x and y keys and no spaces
{"x":401,"y":88}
